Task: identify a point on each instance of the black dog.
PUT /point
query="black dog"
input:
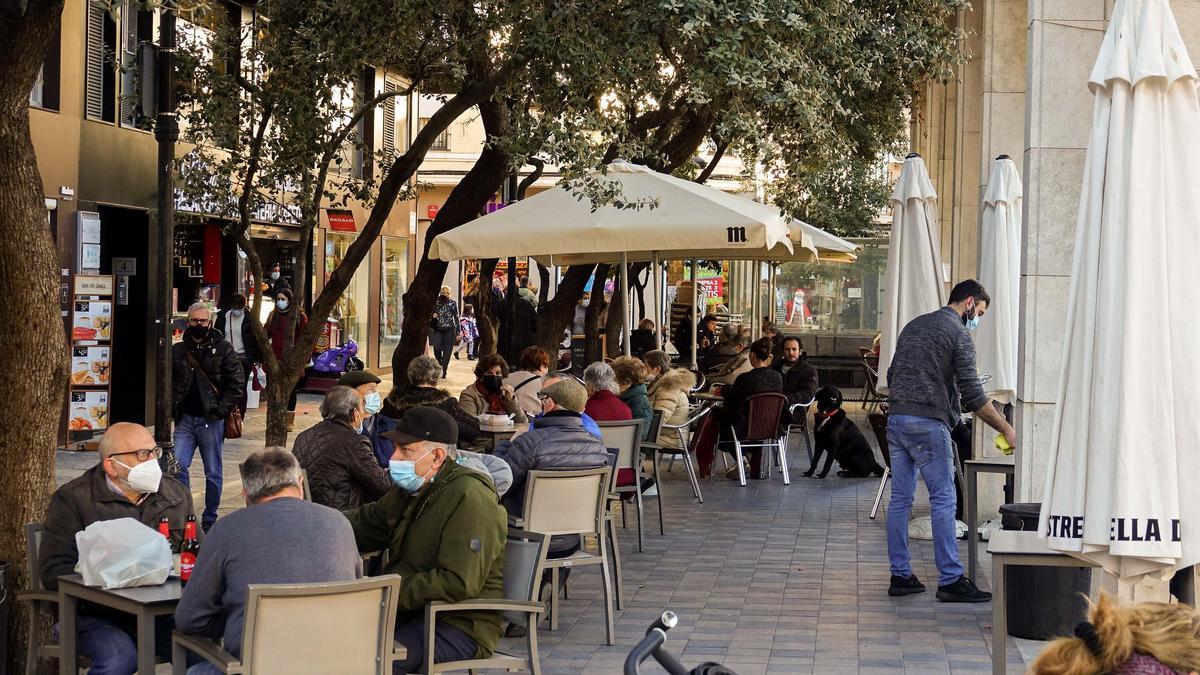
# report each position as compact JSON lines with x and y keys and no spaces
{"x":839,"y":437}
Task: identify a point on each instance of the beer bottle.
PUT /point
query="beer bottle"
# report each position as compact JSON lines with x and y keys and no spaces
{"x":189,"y":551}
{"x":164,"y":527}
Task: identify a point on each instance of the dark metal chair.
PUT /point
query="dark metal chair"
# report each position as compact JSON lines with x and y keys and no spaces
{"x":763,"y":412}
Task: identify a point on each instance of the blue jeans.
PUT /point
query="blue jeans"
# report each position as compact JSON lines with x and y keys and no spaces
{"x":922,"y":443}
{"x":112,"y":647}
{"x":207,"y":435}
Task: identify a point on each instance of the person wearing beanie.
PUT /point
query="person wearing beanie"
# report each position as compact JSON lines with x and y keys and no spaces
{"x":557,"y":440}
{"x":375,"y":425}
{"x":276,"y":327}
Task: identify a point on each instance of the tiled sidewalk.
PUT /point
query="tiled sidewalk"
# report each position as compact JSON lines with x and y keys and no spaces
{"x":765,"y":579}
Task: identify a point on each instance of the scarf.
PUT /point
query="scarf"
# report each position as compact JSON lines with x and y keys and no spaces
{"x":495,"y":401}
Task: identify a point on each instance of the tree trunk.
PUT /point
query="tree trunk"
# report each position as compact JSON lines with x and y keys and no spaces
{"x":592,"y":321}
{"x":615,"y":321}
{"x":489,"y":327}
{"x":554,"y":316}
{"x":465,"y":202}
{"x":34,"y":358}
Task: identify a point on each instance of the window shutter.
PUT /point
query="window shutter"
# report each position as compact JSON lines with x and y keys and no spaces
{"x":389,"y":120}
{"x":94,"y":82}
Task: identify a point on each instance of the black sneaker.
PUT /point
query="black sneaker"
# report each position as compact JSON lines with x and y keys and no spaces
{"x":963,"y":590}
{"x":902,"y":586}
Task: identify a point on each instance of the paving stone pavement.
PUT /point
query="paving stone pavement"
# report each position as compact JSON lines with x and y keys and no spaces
{"x":765,"y":579}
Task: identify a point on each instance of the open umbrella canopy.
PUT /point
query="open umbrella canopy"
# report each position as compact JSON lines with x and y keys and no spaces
{"x":913,"y":284}
{"x":677,"y":219}
{"x":1125,"y":444}
{"x":1000,"y":274}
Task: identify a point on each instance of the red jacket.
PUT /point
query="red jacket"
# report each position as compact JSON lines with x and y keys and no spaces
{"x":277,"y":330}
{"x":604,"y":406}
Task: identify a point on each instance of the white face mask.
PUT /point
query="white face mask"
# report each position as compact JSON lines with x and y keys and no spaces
{"x":144,"y":477}
{"x":274,"y":276}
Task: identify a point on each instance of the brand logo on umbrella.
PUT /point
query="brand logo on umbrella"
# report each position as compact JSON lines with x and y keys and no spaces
{"x":736,"y":235}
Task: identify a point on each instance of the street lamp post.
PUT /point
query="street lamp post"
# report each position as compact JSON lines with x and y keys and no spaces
{"x":166,"y":132}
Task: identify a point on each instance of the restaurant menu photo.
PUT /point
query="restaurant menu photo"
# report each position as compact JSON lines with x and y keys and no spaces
{"x":89,"y":366}
{"x":88,"y":410}
{"x":93,"y":319}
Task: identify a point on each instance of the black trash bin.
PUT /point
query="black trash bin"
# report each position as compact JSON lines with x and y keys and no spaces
{"x":1042,"y":602}
{"x":7,"y":594}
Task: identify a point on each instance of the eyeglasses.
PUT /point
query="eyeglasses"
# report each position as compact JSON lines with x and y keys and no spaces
{"x":142,"y":455}
{"x":197,"y":322}
{"x":543,"y":397}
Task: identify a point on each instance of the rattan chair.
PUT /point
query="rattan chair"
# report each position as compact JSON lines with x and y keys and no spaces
{"x":571,"y":503}
{"x":524,"y":561}
{"x":300,"y":629}
{"x":762,"y":431}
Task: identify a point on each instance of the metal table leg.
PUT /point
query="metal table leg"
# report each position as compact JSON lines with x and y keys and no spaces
{"x":972,"y":481}
{"x":999,"y":617}
{"x":68,"y":610}
{"x":145,"y":643}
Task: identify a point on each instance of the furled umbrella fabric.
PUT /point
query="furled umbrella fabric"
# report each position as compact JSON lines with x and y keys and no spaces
{"x":1124,"y":445}
{"x":913,"y":285}
{"x":1000,"y":274}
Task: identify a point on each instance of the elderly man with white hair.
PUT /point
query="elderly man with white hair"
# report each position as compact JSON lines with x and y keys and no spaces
{"x":277,"y":539}
{"x":342,"y":470}
{"x":603,"y":404}
{"x":207,"y":381}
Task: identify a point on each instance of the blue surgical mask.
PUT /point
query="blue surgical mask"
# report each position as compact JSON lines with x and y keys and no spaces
{"x":404,"y":473}
{"x":973,"y":323}
{"x":373,"y":402}
{"x":281,"y":305}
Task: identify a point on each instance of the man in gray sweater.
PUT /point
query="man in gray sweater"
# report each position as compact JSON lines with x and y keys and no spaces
{"x":278,"y":539}
{"x":933,"y":365}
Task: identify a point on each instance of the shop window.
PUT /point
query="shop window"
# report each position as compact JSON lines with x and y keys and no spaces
{"x":832,"y":299}
{"x":393,"y":284}
{"x":442,"y":142}
{"x":350,"y":311}
{"x":45,"y":92}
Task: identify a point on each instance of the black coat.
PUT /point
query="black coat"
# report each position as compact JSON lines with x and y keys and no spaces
{"x":248,"y":341}
{"x":524,"y":326}
{"x":343,"y":472}
{"x":756,"y":381}
{"x":219,"y":362}
{"x":799,"y":383}
{"x":641,"y":341}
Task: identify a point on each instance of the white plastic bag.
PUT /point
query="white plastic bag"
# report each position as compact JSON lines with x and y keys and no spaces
{"x":122,"y":553}
{"x":922,"y":528}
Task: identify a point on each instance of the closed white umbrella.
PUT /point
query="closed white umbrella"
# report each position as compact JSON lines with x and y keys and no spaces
{"x":1124,"y":447}
{"x":1000,"y":274}
{"x":913,"y":284}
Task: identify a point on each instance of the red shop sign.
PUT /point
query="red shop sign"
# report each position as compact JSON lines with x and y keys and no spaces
{"x":431,"y":211}
{"x":341,"y":221}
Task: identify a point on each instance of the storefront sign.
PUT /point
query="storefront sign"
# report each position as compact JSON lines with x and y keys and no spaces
{"x":93,"y":284}
{"x":127,"y":266}
{"x":341,"y":221}
{"x":432,"y":211}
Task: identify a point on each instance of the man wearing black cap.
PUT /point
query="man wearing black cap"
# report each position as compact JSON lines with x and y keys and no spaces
{"x":444,"y":530}
{"x":376,"y":425}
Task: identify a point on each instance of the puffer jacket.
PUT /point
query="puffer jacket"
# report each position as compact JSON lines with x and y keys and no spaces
{"x":473,"y":402}
{"x":639,"y":404}
{"x":402,"y":398}
{"x":669,"y":393}
{"x":220,"y":364}
{"x":343,"y":472}
{"x":89,"y":499}
{"x":557,"y":441}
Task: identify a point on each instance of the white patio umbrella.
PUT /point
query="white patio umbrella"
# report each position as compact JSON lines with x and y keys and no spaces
{"x":913,"y":284}
{"x":1124,"y":449}
{"x":686,"y":220}
{"x":1000,"y":274}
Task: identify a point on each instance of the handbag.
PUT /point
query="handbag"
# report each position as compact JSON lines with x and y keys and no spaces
{"x":233,"y":421}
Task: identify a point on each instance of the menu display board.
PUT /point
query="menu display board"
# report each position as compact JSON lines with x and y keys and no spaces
{"x":91,"y":352}
{"x":87,"y":410}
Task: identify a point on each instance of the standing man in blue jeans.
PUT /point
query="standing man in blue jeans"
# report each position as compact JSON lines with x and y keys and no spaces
{"x":207,"y":381}
{"x":934,"y":362}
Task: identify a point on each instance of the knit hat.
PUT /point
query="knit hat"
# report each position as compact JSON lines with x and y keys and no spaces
{"x":568,"y":394}
{"x":357,"y":378}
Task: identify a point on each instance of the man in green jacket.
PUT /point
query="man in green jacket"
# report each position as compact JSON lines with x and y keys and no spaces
{"x":445,"y":532}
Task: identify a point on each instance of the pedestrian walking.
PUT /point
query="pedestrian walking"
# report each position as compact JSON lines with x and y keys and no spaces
{"x":445,"y":326}
{"x":468,"y":333}
{"x":276,"y":327}
{"x":931,"y":379}
{"x":207,"y":383}
{"x":234,"y":326}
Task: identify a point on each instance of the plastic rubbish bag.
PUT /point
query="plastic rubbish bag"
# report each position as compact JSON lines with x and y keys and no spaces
{"x":122,"y":553}
{"x":922,"y":528}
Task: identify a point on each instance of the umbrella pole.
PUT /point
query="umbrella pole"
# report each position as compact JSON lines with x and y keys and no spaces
{"x":756,"y":285}
{"x":695,"y":315}
{"x":628,"y":305}
{"x":656,"y":282}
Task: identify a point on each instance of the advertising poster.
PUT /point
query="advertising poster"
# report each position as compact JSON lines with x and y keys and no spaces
{"x":88,"y":410}
{"x":92,"y":320}
{"x":89,"y":366}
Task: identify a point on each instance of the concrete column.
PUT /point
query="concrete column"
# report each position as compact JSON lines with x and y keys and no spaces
{"x":1063,"y":38}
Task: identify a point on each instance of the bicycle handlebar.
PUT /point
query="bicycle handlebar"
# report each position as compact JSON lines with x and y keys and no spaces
{"x":652,"y":645}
